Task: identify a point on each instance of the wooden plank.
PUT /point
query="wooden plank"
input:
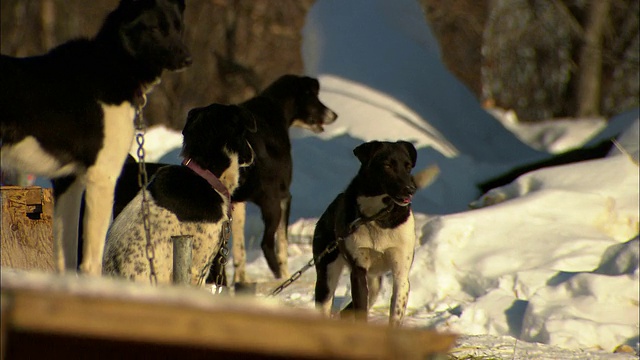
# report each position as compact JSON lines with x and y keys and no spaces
{"x":4,"y":315}
{"x":27,"y":237}
{"x":242,"y":325}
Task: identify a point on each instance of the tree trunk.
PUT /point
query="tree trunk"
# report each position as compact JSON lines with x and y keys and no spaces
{"x":590,"y":67}
{"x":48,"y":18}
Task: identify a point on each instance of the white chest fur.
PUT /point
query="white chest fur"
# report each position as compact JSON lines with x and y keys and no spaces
{"x":375,"y":248}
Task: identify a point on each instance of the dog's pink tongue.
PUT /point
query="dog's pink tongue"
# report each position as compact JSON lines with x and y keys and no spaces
{"x":407,"y":200}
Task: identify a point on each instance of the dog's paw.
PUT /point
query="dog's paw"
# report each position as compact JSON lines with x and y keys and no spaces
{"x":93,"y":269}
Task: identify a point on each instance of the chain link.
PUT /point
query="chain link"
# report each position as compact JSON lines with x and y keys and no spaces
{"x":311,"y":263}
{"x":224,"y":252}
{"x":143,"y":180}
{"x":225,"y":234}
{"x":353,"y":226}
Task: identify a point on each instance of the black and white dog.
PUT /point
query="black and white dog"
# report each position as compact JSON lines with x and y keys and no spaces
{"x":290,"y":100}
{"x":194,"y":199}
{"x":372,"y":225}
{"x":69,"y":114}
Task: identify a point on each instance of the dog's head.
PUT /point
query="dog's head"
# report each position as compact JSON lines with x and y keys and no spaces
{"x":151,"y":32}
{"x":386,"y":169}
{"x":215,"y":138}
{"x":301,"y":104}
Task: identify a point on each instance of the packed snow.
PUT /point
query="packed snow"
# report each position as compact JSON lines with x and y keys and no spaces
{"x":543,"y":268}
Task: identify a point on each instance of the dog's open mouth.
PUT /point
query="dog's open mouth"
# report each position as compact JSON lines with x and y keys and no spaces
{"x":402,"y":200}
{"x":315,"y":127}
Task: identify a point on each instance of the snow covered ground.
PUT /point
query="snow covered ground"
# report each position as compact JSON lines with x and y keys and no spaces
{"x":554,"y":261}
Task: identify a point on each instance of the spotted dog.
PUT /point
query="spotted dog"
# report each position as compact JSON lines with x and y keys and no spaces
{"x":192,"y":199}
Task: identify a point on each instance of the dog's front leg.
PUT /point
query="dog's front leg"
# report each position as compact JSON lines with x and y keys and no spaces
{"x":359,"y":292}
{"x":399,"y":300}
{"x":400,"y":267}
{"x":238,"y":245}
{"x":99,"y":204}
{"x":101,"y":180}
{"x":68,"y":195}
{"x":282,"y":241}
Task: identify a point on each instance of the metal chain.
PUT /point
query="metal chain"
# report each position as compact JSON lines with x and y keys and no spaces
{"x":224,"y":252}
{"x":311,"y":263}
{"x":331,"y":247}
{"x":225,"y":234}
{"x":143,"y":180}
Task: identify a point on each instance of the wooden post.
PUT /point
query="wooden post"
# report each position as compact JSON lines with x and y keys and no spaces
{"x":182,"y":252}
{"x":27,"y":236}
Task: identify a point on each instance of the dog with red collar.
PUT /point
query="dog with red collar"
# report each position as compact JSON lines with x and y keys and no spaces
{"x":193,"y":199}
{"x":370,"y":227}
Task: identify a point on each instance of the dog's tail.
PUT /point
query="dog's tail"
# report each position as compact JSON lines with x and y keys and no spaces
{"x":426,"y":177}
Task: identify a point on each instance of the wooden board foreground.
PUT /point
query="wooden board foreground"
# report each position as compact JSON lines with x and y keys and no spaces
{"x":190,"y":320}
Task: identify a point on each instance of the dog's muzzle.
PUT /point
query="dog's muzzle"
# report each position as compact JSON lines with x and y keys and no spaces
{"x":404,"y":200}
{"x":328,"y":118}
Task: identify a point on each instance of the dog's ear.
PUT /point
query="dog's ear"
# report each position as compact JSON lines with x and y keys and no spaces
{"x":364,"y":151}
{"x":192,"y":117}
{"x":249,"y":120}
{"x":315,"y":84}
{"x":413,"y":153}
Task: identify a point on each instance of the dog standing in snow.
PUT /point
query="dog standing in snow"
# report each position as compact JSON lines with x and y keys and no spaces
{"x":289,"y":101}
{"x":370,"y":227}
